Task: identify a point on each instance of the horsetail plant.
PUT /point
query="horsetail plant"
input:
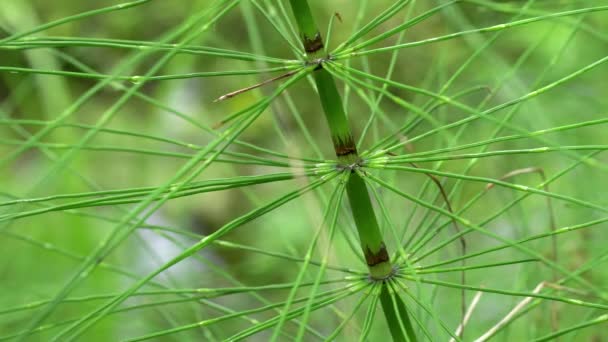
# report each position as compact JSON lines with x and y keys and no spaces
{"x":461,"y":198}
{"x":370,"y":237}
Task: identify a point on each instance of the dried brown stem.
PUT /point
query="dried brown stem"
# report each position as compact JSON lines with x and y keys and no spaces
{"x":255,"y":86}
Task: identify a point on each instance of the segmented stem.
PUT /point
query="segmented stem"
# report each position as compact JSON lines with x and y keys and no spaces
{"x":370,"y":237}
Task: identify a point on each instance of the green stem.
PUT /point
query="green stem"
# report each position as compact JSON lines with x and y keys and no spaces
{"x":397,"y":318}
{"x":342,"y":138}
{"x":370,"y":237}
{"x":310,"y":35}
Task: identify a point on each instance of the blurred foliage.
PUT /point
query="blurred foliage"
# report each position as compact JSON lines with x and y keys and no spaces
{"x":32,"y":269}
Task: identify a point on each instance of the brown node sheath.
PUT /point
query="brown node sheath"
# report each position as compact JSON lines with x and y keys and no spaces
{"x":374,"y":259}
{"x":345,"y":147}
{"x":342,"y":151}
{"x":313,"y":45}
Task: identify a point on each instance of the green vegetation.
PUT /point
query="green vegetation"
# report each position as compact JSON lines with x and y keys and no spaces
{"x":304,"y":170}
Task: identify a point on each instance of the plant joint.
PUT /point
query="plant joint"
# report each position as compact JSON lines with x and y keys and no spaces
{"x":384,"y":278}
{"x":314,"y":44}
{"x":350,"y":167}
{"x":318,"y":62}
{"x":345,"y":148}
{"x":376,"y":258}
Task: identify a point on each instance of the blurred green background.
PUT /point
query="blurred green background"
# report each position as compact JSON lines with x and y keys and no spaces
{"x":39,"y":253}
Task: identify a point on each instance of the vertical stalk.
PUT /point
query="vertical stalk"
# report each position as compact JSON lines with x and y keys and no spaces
{"x":370,"y":237}
{"x":399,"y":323}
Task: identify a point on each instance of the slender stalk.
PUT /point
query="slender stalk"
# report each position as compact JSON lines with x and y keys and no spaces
{"x":370,"y":237}
{"x":397,"y":318}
